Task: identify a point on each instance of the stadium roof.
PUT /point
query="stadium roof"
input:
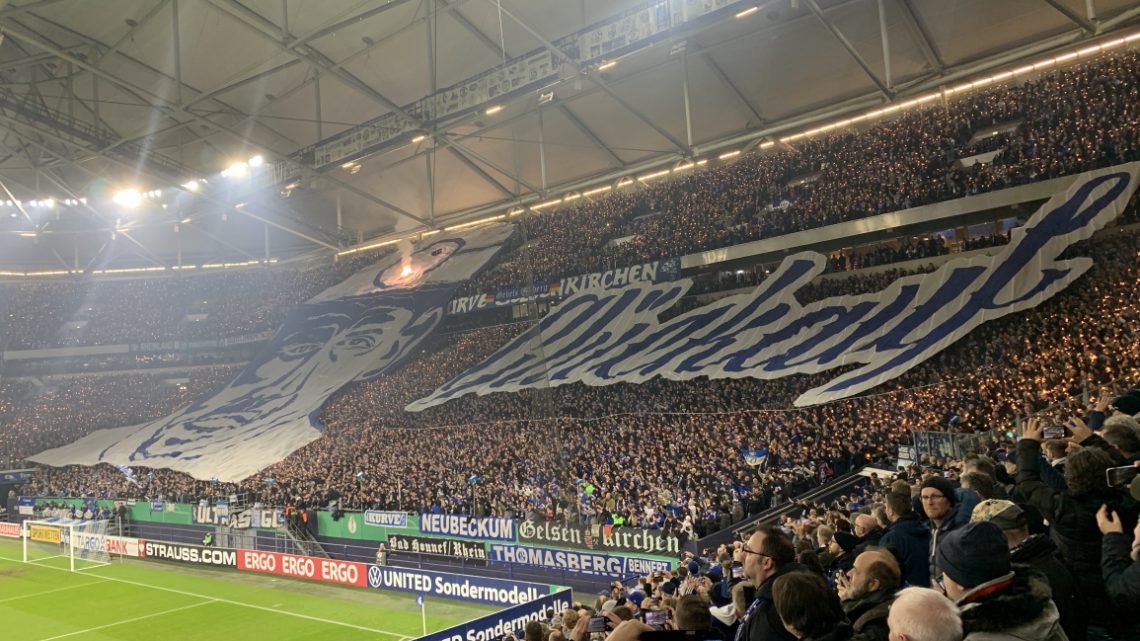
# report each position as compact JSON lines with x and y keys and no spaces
{"x":532,"y":98}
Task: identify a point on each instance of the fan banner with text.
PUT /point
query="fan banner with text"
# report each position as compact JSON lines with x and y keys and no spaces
{"x":354,"y":331}
{"x":614,"y":336}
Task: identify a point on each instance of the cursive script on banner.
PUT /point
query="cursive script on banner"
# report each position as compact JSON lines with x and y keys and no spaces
{"x":583,"y":537}
{"x":614,"y":336}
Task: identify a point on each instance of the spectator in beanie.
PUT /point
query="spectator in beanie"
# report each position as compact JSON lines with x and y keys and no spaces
{"x":842,"y":549}
{"x":939,"y":499}
{"x":997,"y":602}
{"x":1038,"y":552}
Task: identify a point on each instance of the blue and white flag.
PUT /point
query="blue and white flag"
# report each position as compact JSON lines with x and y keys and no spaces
{"x":354,"y":331}
{"x":420,"y":600}
{"x":129,"y":473}
{"x":755,"y":458}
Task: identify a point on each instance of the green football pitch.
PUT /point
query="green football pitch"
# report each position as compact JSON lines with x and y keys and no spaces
{"x":135,"y":600}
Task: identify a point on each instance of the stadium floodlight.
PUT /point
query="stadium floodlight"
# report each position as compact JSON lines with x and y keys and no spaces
{"x":493,"y":109}
{"x":237,"y":170}
{"x":419,"y":138}
{"x":192,"y":186}
{"x":49,"y":203}
{"x":747,"y":12}
{"x":609,"y":64}
{"x":257,"y":161}
{"x":129,"y":198}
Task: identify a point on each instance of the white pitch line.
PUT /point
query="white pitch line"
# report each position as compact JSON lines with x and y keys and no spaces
{"x":227,"y":601}
{"x":35,"y":594}
{"x":143,"y":617}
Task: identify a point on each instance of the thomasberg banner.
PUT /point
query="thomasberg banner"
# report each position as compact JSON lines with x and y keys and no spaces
{"x":583,"y":538}
{"x":603,"y":337}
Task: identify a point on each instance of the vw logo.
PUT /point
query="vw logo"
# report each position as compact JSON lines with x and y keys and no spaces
{"x":374,"y":574}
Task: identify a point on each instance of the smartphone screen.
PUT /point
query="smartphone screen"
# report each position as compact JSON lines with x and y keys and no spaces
{"x":1053,"y":431}
{"x":596,"y":624}
{"x":657,"y":617}
{"x":738,"y":572}
{"x":1117,"y":476}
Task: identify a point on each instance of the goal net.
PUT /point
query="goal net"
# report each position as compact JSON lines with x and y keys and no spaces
{"x":78,"y":544}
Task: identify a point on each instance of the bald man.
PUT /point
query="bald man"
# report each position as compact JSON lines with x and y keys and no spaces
{"x":868,"y":531}
{"x":868,"y":590}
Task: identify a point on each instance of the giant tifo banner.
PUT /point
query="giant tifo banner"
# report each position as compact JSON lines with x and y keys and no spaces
{"x":354,"y":331}
{"x":614,"y":336}
{"x":652,"y":272}
{"x":506,"y":622}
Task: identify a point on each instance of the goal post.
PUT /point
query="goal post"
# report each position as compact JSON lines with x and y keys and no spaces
{"x":82,"y":543}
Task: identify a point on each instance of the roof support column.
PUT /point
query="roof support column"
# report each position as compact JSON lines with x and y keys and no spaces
{"x":885,"y":36}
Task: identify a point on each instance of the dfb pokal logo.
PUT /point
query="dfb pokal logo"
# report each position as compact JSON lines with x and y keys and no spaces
{"x":374,"y":574}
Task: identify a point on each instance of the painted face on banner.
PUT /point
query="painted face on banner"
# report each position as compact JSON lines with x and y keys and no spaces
{"x":317,"y":352}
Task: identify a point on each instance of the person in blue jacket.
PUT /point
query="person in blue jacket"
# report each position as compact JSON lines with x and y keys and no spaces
{"x":909,"y":539}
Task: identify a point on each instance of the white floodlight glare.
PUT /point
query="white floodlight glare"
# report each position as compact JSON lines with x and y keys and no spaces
{"x":237,"y":170}
{"x":257,"y":161}
{"x":129,"y":198}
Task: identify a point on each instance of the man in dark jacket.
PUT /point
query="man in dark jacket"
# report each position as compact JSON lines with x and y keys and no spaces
{"x":947,"y":507}
{"x":1118,"y":561}
{"x":1072,"y":513}
{"x":868,"y":531}
{"x":768,"y":555}
{"x":868,"y":593}
{"x":1039,"y":552}
{"x":909,"y":540}
{"x":997,"y":600}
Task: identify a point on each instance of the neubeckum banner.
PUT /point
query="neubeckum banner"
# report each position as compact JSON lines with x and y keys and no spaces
{"x":607,"y":539}
{"x":377,"y":518}
{"x":196,"y":554}
{"x":577,"y":562}
{"x":475,"y":551}
{"x":304,"y":567}
{"x":455,"y":586}
{"x":10,"y":530}
{"x":466,"y":527}
{"x":511,"y":621}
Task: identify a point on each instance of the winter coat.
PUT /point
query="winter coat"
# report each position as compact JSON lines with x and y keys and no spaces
{"x":910,"y":540}
{"x":1121,"y":573}
{"x":868,"y":616}
{"x":1021,"y":611}
{"x":762,"y":622}
{"x":1074,"y":528}
{"x":1040,"y":553}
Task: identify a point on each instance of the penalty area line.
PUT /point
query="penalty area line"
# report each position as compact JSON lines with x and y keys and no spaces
{"x":297,"y":615}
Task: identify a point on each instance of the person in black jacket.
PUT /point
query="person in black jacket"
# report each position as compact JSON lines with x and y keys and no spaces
{"x":1072,"y":513}
{"x":1119,"y":561}
{"x":867,"y":594}
{"x":1040,"y":553}
{"x":908,"y":539}
{"x":809,"y":609}
{"x":768,"y":555}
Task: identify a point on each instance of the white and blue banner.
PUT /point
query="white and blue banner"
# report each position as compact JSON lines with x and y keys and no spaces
{"x":575,"y":561}
{"x":652,"y":272}
{"x":386,"y":519}
{"x":16,"y":476}
{"x":511,"y":621}
{"x":351,"y":332}
{"x":466,"y":527}
{"x":455,"y":586}
{"x":614,"y":336}
{"x":755,"y":458}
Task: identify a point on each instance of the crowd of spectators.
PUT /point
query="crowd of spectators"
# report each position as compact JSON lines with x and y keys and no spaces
{"x":231,"y":302}
{"x":41,"y":415}
{"x":1017,"y":539}
{"x":667,"y":454}
{"x":1067,"y":121}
